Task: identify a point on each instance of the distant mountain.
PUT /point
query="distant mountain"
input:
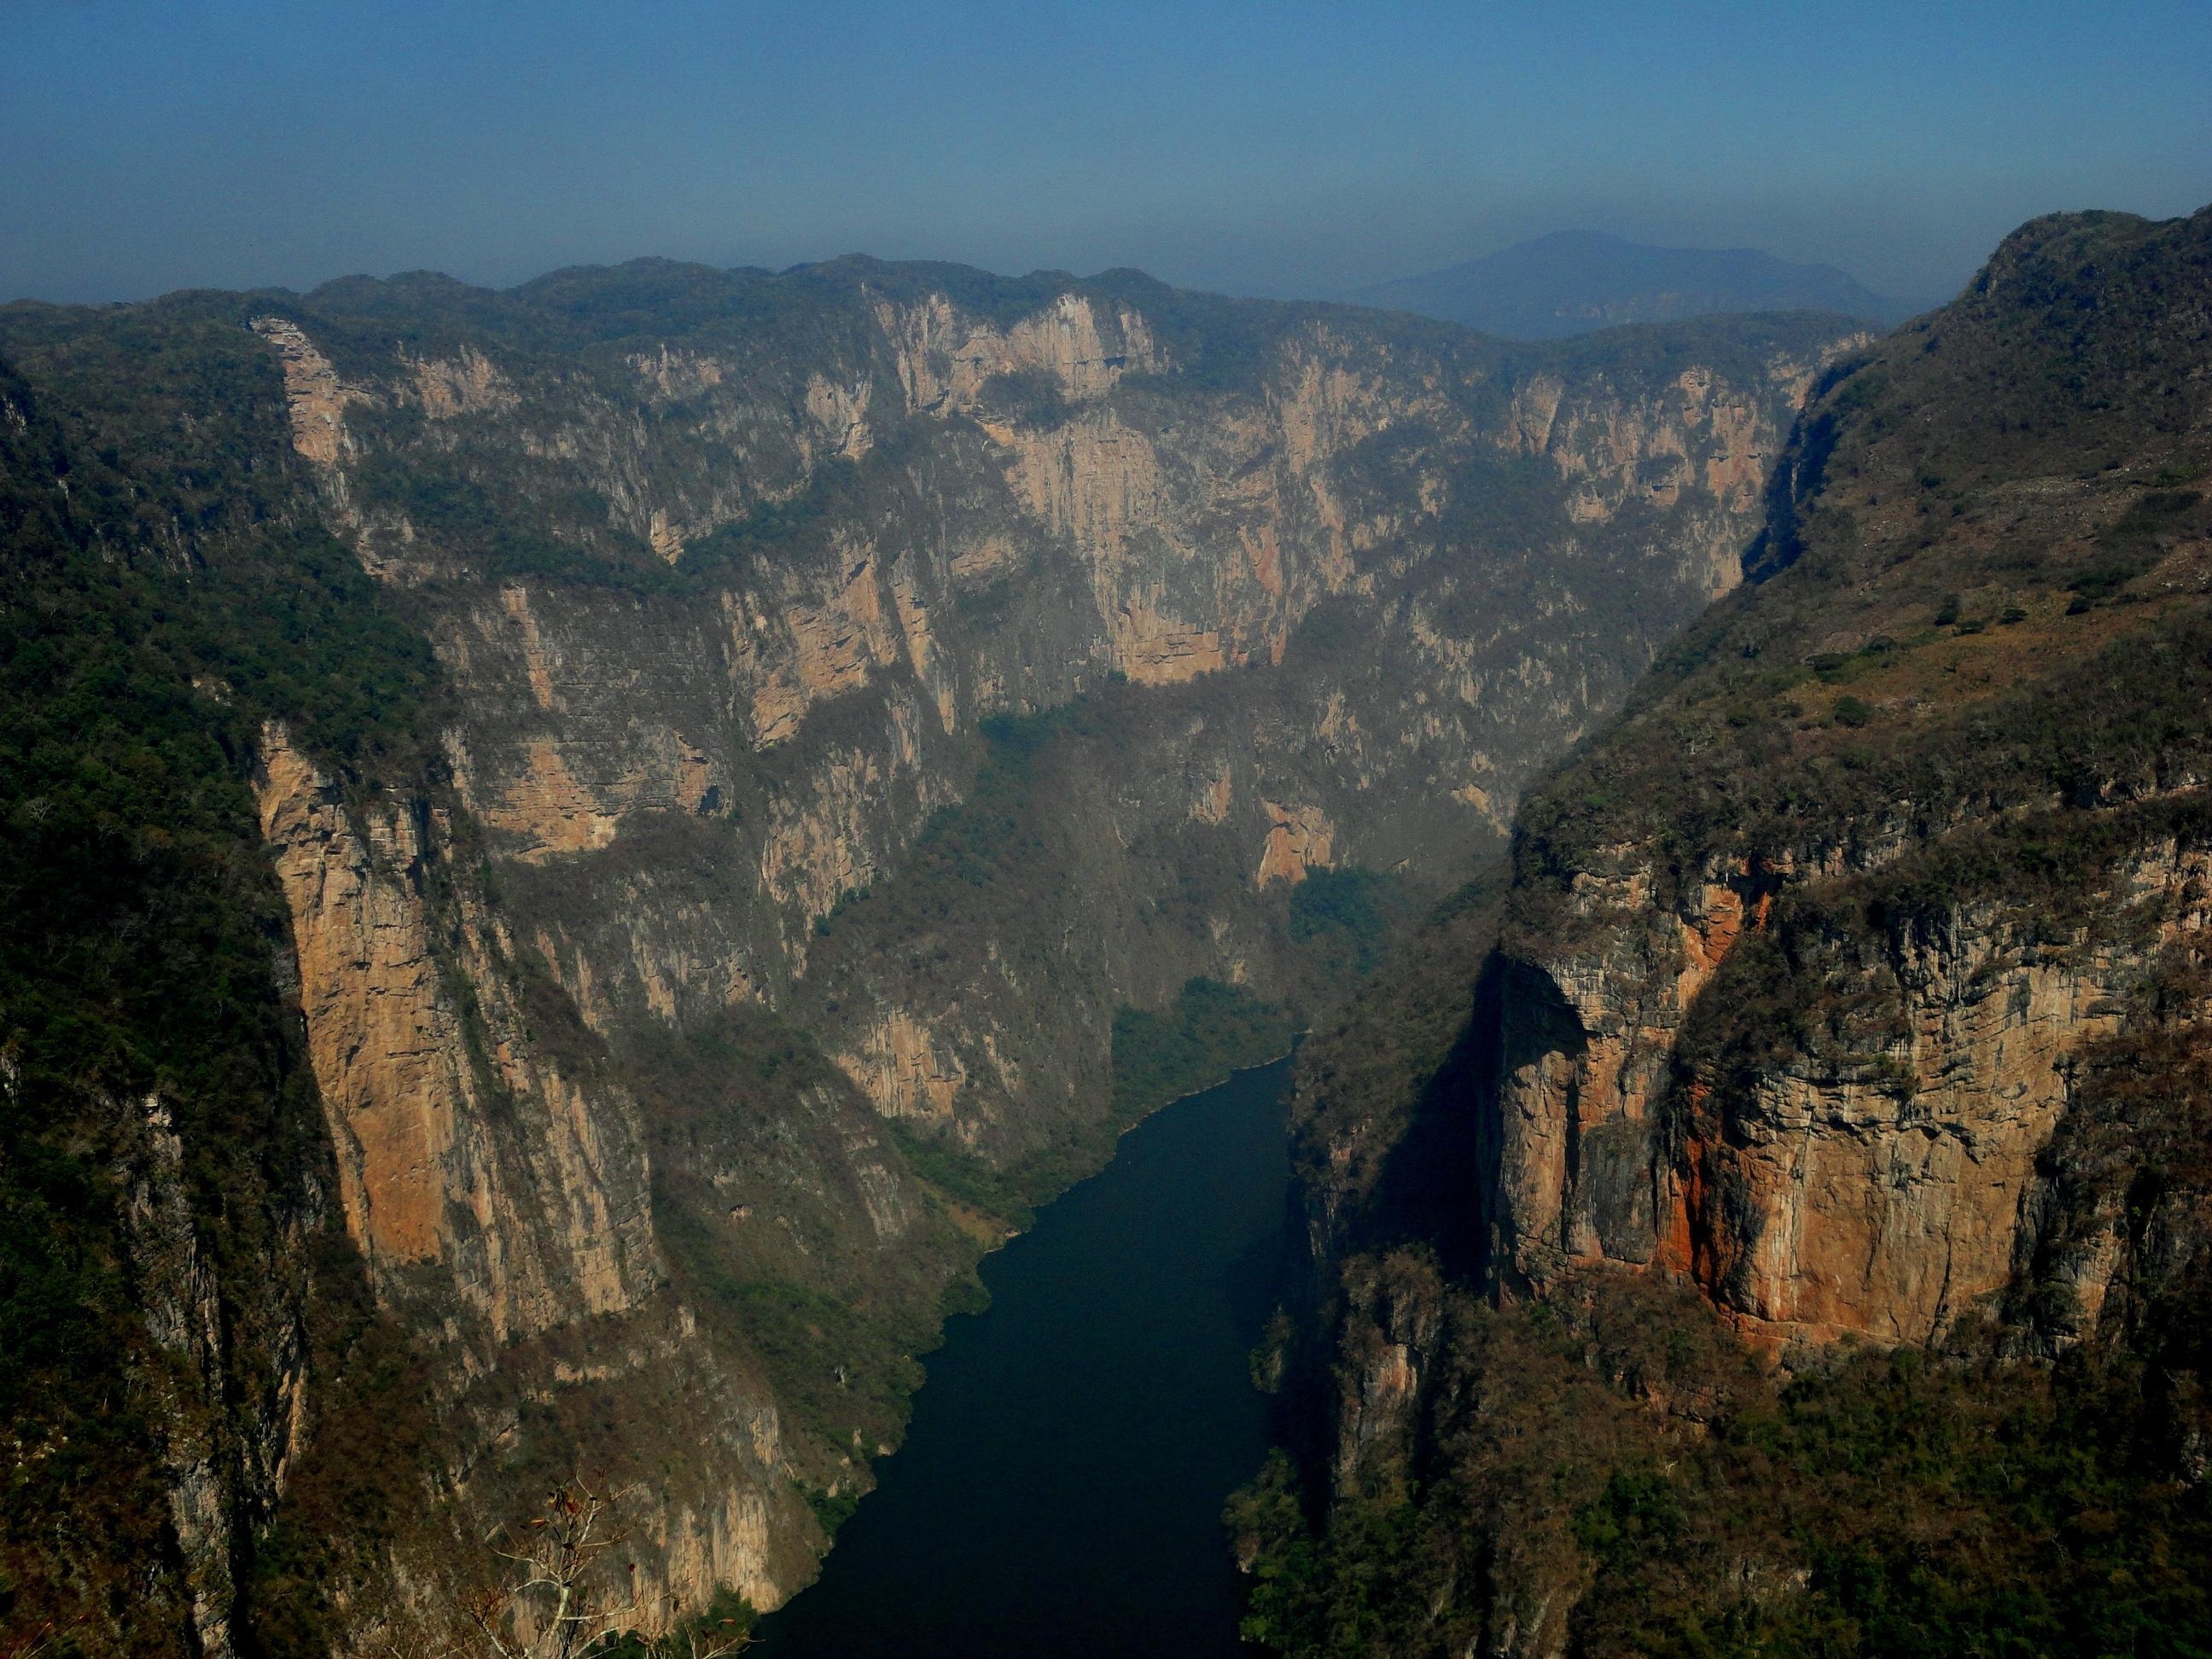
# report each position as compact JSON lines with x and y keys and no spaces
{"x":1579,"y":280}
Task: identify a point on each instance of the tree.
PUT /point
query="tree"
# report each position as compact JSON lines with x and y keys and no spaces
{"x":40,"y":1638}
{"x":558,"y":1602}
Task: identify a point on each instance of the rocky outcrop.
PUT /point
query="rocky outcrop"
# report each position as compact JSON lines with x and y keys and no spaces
{"x":945,"y":361}
{"x":1695,"y":437}
{"x":1813,"y":1057}
{"x":1298,"y":839}
{"x":900,"y":1069}
{"x":317,"y":398}
{"x":507,"y":1205}
{"x":1879,"y":1193}
{"x":468,"y":383}
{"x":211,"y":1499}
{"x":1891,"y":1207}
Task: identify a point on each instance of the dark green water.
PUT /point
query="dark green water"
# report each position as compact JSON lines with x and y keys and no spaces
{"x":1060,"y":1492}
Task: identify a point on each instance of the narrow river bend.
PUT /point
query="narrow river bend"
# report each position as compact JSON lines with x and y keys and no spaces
{"x":1060,"y":1492}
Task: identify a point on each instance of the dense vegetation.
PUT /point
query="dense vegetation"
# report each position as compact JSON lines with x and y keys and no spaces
{"x":1878,"y":1504}
{"x":1025,"y":841}
{"x":150,"y":622}
{"x":1208,"y":1031}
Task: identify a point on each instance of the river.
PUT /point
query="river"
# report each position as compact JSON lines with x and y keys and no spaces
{"x":1060,"y":1490}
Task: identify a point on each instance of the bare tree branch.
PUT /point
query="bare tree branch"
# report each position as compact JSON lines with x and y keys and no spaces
{"x":562,"y":1597}
{"x":30,"y":1643}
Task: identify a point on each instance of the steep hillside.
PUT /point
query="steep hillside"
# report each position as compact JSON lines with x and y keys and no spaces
{"x":581,"y":851}
{"x":1575,"y":281}
{"x":172,"y":1270}
{"x":1844,"y":1004}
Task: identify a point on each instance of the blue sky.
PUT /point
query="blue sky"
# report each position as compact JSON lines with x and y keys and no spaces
{"x":1286,"y":149}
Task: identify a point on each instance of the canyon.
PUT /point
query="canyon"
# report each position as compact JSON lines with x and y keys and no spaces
{"x":583,"y":851}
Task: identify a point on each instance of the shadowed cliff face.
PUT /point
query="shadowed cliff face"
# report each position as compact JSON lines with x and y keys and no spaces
{"x":1878,"y":1183}
{"x":858,"y":689}
{"x":1810,"y":990}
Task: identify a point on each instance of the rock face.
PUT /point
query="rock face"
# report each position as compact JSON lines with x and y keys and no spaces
{"x":1872,"y":1177}
{"x":1814,"y":976}
{"x":552,"y":1228}
{"x":182,"y":1313}
{"x":1880,"y":1192}
{"x":844,"y":693}
{"x":502,"y":1187}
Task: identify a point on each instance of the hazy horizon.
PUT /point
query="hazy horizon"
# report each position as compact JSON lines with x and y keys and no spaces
{"x":247,"y":145}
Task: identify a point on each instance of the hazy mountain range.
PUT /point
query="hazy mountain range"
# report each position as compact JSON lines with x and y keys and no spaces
{"x":1575,"y":281}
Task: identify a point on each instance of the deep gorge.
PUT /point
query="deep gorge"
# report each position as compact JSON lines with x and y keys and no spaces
{"x":745,"y":784}
{"x":579,"y":855}
{"x":1769,"y":1215}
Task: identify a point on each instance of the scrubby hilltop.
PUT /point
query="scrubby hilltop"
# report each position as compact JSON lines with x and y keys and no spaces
{"x":575,"y":854}
{"x":1844,"y":1006}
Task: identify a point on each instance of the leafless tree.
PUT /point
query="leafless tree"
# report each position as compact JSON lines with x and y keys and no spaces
{"x":701,"y":1640}
{"x":557,"y":1601}
{"x":30,"y":1643}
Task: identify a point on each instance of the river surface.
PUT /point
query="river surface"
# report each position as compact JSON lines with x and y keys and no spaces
{"x":1060,"y":1488}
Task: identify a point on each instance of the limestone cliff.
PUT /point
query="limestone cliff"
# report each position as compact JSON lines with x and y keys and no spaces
{"x":1870,"y":1171}
{"x":553,"y":1225}
{"x":510,"y":1197}
{"x":1807,"y":997}
{"x":1876,"y":1187}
